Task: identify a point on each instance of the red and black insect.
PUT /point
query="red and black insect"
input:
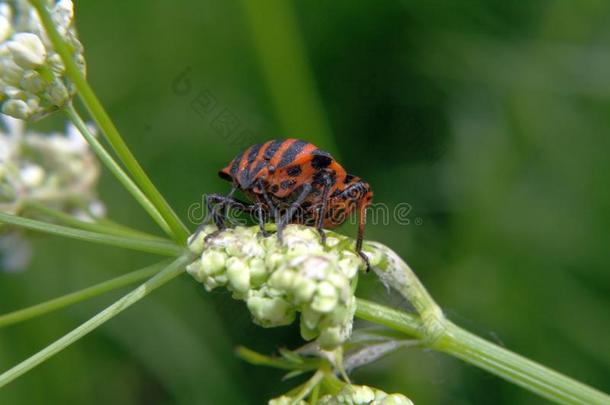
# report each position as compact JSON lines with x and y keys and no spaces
{"x":292,"y":181}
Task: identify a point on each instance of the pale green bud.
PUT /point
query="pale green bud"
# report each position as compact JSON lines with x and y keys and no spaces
{"x":258,"y":272}
{"x":304,"y":289}
{"x":285,"y":400}
{"x":282,"y":280}
{"x":238,"y":275}
{"x":395,"y":399}
{"x":270,"y":312}
{"x":364,"y":395}
{"x":325,"y":298}
{"x":212,"y":262}
{"x":194,"y":269}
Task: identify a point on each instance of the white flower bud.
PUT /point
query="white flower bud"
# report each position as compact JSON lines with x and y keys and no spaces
{"x":28,"y":50}
{"x":5,"y":24}
{"x":24,"y":46}
{"x":16,"y":108}
{"x":32,"y":175}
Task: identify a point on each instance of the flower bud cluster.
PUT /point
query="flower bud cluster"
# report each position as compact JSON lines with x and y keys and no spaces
{"x":364,"y":395}
{"x":278,"y":280}
{"x":351,"y":395}
{"x":32,"y":74}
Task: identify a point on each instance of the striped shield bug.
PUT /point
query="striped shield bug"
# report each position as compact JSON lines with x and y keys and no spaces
{"x":292,"y":181}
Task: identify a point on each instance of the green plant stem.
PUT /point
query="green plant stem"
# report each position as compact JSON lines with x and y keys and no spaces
{"x":145,"y":245}
{"x":69,"y":220}
{"x":435,"y":331}
{"x":99,"y":114}
{"x":516,"y":369}
{"x":171,"y":271}
{"x":472,"y":349}
{"x":116,"y":170}
{"x":81,"y":295}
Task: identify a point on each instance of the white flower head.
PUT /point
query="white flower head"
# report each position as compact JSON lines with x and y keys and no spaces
{"x":55,"y":169}
{"x":278,"y":280}
{"x":32,"y":80}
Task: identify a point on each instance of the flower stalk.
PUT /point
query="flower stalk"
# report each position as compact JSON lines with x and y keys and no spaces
{"x":116,"y":170}
{"x":168,"y":273}
{"x":81,"y":295}
{"x":136,"y":243}
{"x":178,"y":229}
{"x":34,"y":207}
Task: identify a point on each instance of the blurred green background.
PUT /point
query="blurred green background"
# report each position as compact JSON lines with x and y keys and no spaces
{"x":490,"y":118}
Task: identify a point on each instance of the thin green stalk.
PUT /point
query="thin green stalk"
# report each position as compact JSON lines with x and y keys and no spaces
{"x":115,"y":169}
{"x":170,"y":272}
{"x":308,"y":387}
{"x":392,"y":318}
{"x":99,"y":114}
{"x":96,"y":226}
{"x":124,"y":228}
{"x":64,"y":301}
{"x":258,"y":359}
{"x":144,"y":245}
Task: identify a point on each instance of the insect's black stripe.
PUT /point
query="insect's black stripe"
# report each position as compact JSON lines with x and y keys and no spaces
{"x":242,"y":167}
{"x":290,"y":154}
{"x":258,"y":166}
{"x":248,"y":174}
{"x":271,"y":150}
{"x":235,"y":165}
{"x":253,"y":153}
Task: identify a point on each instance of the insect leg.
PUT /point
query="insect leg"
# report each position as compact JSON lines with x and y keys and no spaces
{"x":260,"y":211}
{"x":361,"y":223}
{"x":217,"y":206}
{"x":281,"y":223}
{"x":322,"y":212}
